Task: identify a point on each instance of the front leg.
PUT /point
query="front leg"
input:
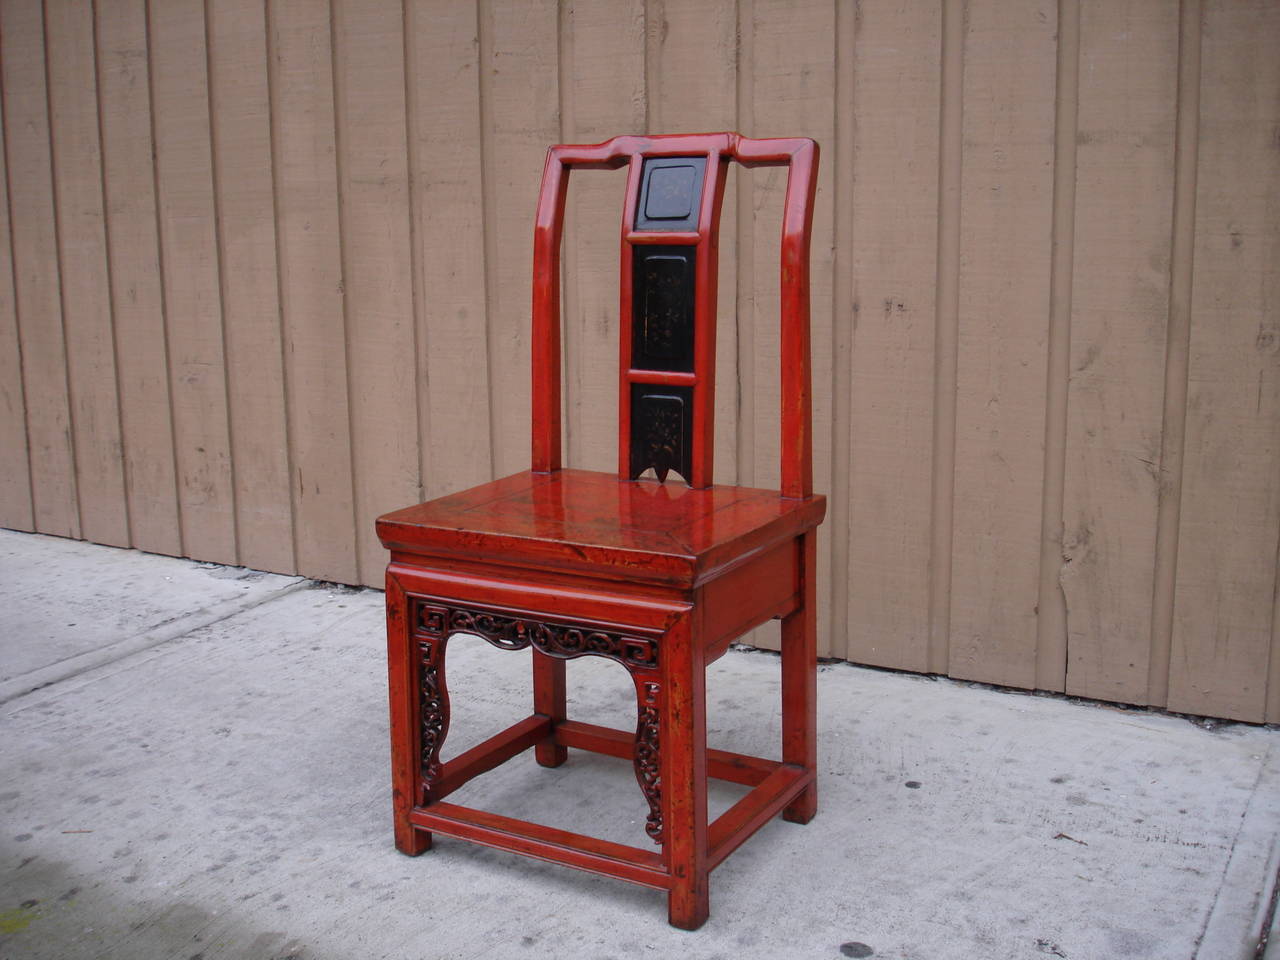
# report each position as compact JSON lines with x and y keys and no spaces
{"x":433,"y":727}
{"x":683,"y":733}
{"x":404,"y":683}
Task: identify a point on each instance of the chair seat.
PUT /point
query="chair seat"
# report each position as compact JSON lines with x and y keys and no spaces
{"x":592,"y":523}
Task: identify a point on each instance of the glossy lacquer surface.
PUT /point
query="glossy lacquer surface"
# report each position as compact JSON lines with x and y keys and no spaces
{"x":657,"y":576}
{"x":660,"y":531}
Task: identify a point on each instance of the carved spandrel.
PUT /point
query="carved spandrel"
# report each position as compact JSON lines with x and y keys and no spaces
{"x":648,"y":753}
{"x":433,"y":707}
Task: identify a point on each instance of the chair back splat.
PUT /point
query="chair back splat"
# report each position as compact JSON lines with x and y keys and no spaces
{"x":668,"y":275}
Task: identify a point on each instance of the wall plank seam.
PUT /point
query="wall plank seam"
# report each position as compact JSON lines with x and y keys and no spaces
{"x":421,"y":341}
{"x":22,"y":519}
{"x":220,"y":256}
{"x":488,"y":208}
{"x":844,"y":317}
{"x":126,"y":506}
{"x":745,"y":305}
{"x":184,"y":547}
{"x":1177,"y":353}
{"x":571,"y":366}
{"x":273,"y":99}
{"x":1051,"y":634}
{"x":72,"y":386}
{"x":946,"y":335}
{"x":344,"y":263}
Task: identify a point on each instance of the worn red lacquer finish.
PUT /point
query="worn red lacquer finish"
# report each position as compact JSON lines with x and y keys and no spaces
{"x":659,"y":576}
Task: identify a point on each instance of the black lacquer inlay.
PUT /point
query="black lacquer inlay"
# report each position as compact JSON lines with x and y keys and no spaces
{"x":670,"y":193}
{"x":662,"y":285}
{"x":661,"y":430}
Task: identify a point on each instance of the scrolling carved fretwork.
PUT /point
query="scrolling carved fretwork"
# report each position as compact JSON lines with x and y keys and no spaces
{"x":433,"y":707}
{"x":554,"y":639}
{"x":648,"y":755}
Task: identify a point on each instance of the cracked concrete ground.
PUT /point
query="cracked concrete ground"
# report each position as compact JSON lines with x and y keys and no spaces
{"x":193,"y":765}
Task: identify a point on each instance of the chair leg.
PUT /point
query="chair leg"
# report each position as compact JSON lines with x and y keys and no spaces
{"x":800,"y":685}
{"x":683,"y":745}
{"x":549,"y":700}
{"x":411,"y":841}
{"x":403,"y":659}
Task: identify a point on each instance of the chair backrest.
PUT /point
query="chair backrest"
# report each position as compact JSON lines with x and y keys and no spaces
{"x":670,"y":226}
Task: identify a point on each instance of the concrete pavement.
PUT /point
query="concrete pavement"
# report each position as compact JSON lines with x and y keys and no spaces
{"x":193,"y":764}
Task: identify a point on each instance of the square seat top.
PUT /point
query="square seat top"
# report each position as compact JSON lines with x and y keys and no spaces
{"x":597,"y":525}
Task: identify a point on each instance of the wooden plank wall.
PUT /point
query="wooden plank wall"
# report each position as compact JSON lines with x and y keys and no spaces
{"x":264,"y":274}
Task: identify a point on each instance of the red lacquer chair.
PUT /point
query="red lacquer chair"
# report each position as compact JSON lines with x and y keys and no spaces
{"x":657,"y":575}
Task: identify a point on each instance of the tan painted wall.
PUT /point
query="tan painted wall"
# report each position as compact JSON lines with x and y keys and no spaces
{"x":270,"y":278}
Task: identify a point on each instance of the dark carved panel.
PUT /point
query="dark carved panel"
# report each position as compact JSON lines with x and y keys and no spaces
{"x":556,"y":640}
{"x":661,"y":430}
{"x":670,"y":193}
{"x":662,"y":288}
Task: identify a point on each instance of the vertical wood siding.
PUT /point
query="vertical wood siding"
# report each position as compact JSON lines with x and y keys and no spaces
{"x":264,"y":274}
